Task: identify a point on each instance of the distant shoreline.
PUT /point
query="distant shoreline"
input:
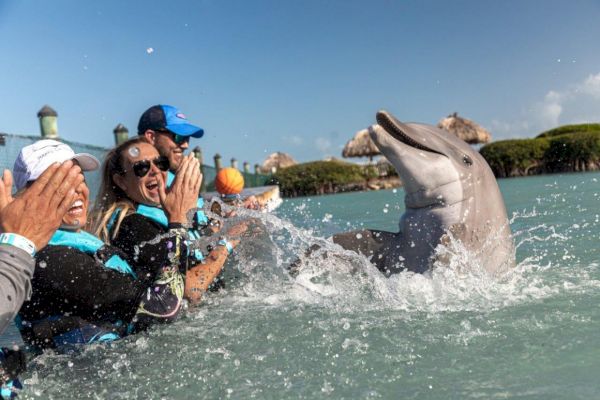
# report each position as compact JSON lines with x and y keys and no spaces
{"x":381,"y":183}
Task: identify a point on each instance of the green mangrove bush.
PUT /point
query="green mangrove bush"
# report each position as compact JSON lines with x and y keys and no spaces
{"x":319,"y":177}
{"x":568,"y":148}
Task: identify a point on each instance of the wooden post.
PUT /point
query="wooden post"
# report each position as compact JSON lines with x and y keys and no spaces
{"x":121,"y":134}
{"x":246,"y":167}
{"x":217,"y":162}
{"x":234,"y":163}
{"x":257,"y":169}
{"x":48,"y":122}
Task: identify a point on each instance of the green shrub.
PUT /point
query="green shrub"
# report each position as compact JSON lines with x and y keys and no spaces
{"x":320,"y":177}
{"x":574,"y":152}
{"x":517,"y":157}
{"x":570,"y":129}
{"x":567,"y":152}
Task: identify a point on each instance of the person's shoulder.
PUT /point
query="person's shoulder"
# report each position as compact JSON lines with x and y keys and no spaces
{"x":136,"y":227}
{"x":60,"y":256}
{"x":136,"y":220}
{"x":53,"y":250}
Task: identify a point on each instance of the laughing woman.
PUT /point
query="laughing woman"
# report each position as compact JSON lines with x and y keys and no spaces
{"x":82,"y":290}
{"x":150,"y":223}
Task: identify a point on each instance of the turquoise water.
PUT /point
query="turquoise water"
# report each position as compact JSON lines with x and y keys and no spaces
{"x":341,"y":330}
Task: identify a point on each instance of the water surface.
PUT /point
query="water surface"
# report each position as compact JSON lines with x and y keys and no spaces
{"x":341,"y":330}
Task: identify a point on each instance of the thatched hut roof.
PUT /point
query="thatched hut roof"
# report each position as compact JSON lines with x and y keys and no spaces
{"x":360,"y":145}
{"x":465,"y":129}
{"x":278,"y":160}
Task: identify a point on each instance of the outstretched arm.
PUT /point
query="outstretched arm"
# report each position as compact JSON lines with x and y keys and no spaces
{"x":199,"y":277}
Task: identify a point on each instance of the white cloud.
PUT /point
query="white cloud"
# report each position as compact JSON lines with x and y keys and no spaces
{"x":323,"y":144}
{"x":591,"y":86}
{"x":548,"y":111}
{"x":579,"y":102}
{"x":510,"y":129}
{"x":294,"y":140}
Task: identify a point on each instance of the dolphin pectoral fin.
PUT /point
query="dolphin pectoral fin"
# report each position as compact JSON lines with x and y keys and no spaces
{"x":295,"y":267}
{"x":377,"y":246}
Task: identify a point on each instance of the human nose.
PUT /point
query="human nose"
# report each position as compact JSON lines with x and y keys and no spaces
{"x":185,"y":144}
{"x":154,"y":170}
{"x":80,"y":188}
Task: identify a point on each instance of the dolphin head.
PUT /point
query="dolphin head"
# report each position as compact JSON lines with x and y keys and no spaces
{"x":434,"y":165}
{"x":449,"y":187}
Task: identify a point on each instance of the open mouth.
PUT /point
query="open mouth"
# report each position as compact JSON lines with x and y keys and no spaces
{"x":76,"y":208}
{"x":152,"y":186}
{"x":386,"y":121}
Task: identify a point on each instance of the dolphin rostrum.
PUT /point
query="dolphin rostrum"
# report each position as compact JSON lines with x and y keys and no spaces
{"x":450,"y":195}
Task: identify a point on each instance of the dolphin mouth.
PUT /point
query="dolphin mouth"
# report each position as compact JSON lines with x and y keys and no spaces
{"x":392,"y":126}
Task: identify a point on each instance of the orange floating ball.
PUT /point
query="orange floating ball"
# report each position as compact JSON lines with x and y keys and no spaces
{"x":229,"y":181}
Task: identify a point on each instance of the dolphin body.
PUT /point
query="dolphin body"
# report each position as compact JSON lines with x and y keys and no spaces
{"x":451,"y":195}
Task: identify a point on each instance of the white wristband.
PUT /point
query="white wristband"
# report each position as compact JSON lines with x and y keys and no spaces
{"x":228,"y":246}
{"x":12,"y":239}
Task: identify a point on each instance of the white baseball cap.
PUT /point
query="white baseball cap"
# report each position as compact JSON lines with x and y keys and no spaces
{"x":34,"y":159}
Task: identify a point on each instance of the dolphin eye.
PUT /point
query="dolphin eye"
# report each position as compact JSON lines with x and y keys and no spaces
{"x":467,"y":160}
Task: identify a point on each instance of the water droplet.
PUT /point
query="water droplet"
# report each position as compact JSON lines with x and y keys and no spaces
{"x":42,"y":264}
{"x":346,"y":326}
{"x":359,"y":236}
{"x":150,"y":50}
{"x":134,"y":151}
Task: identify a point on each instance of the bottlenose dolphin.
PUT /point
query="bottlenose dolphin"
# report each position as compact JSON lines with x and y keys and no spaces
{"x":450,"y":195}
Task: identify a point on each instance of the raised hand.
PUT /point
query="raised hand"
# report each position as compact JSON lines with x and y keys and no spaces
{"x":39,"y":210}
{"x":5,"y":189}
{"x":182,"y":196}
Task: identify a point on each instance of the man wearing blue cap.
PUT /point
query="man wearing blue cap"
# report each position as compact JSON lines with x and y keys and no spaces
{"x":169,"y":131}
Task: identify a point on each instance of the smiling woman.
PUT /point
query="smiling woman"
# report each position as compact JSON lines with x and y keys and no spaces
{"x":83,"y":290}
{"x":138,"y":214}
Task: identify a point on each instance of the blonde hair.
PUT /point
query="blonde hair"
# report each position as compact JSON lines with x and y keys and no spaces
{"x":110,"y":196}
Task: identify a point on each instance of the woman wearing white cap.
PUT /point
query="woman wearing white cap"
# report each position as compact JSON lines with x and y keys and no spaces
{"x":83,"y":290}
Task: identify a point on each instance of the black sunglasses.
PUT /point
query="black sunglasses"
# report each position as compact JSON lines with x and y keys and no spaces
{"x":178,"y":139}
{"x":142,"y":167}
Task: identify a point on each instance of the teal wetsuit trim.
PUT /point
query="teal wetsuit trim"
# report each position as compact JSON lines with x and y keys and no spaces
{"x":158,"y":215}
{"x":90,"y":244}
{"x":9,"y":389}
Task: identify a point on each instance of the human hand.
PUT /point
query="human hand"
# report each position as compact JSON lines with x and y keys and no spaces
{"x":5,"y":189}
{"x":238,"y":229}
{"x":251,"y":203}
{"x":39,"y":210}
{"x":178,"y":200}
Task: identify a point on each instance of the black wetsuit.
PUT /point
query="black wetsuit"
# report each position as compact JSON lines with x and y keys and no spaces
{"x":71,"y":289}
{"x":148,"y":242}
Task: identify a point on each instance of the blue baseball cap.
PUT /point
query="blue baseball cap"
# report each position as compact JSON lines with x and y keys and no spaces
{"x":162,"y":117}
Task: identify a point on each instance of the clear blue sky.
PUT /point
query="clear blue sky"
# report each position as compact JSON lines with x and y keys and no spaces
{"x":297,"y":76}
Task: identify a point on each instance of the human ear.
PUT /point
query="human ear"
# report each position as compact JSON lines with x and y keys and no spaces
{"x":150,"y":135}
{"x":119,"y":180}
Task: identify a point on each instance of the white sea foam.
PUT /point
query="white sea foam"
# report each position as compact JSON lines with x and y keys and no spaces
{"x":335,"y":278}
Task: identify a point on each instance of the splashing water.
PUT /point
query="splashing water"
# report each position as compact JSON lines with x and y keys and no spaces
{"x":338,"y":328}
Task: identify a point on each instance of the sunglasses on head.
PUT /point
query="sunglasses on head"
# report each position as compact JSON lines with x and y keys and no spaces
{"x":178,"y":139}
{"x":142,"y":167}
